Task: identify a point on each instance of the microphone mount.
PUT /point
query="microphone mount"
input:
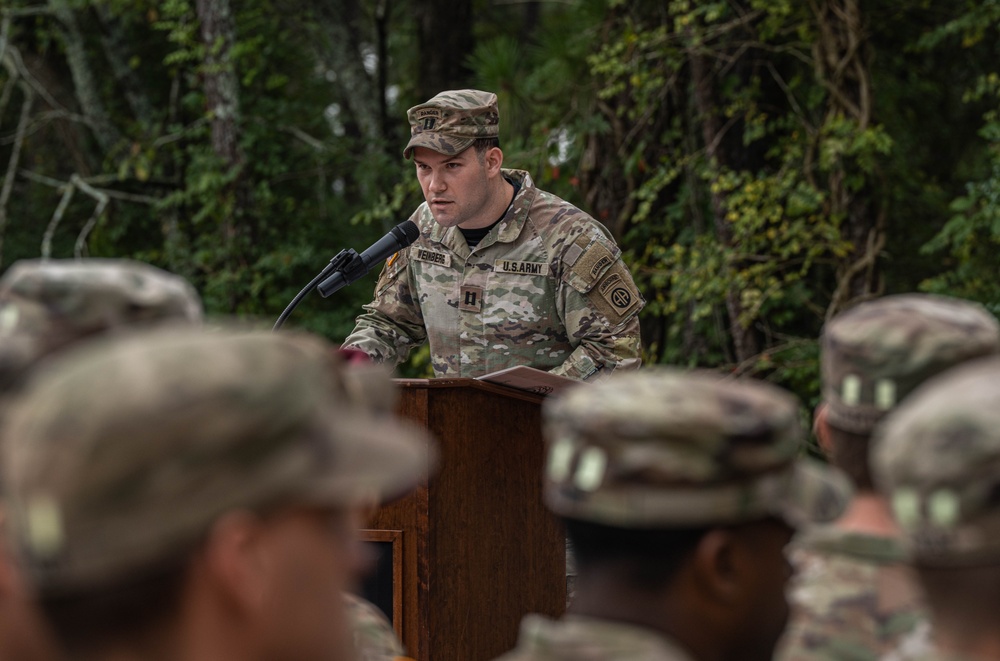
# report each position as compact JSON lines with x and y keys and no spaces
{"x":347,"y":258}
{"x":347,"y":265}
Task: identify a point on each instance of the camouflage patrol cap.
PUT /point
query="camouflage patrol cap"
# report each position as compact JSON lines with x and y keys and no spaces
{"x":876,"y":353}
{"x":47,"y":305}
{"x":937,"y":459}
{"x":120,"y":455}
{"x":451,"y":121}
{"x":664,"y":448}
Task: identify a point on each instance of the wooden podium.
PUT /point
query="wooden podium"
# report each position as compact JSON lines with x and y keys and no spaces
{"x":475,"y":550}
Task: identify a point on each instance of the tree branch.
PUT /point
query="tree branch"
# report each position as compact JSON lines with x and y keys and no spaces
{"x":102,"y":201}
{"x":15,"y":157}
{"x":83,"y":78}
{"x":67,"y":196}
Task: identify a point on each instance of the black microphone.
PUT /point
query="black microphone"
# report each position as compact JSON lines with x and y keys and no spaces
{"x":398,"y":238}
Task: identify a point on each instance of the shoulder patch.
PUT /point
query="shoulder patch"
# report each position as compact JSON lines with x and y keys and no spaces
{"x":616,"y":295}
{"x":393,"y":267}
{"x":591,"y":257}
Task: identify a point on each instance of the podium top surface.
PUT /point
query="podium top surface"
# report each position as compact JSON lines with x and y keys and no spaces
{"x":474,"y":384}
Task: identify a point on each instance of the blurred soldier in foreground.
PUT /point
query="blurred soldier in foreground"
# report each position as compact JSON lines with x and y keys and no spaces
{"x":679,"y":492}
{"x":374,"y":637}
{"x":46,"y":307}
{"x":854,"y":597}
{"x":191,"y":495}
{"x":938,"y":462}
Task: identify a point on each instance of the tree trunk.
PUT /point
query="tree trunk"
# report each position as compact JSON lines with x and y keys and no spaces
{"x":842,"y":55}
{"x":444,"y":41}
{"x":84,"y":82}
{"x":220,"y":83}
{"x":344,"y":55}
{"x":744,"y":341}
{"x":116,"y":50}
{"x":221,"y":86}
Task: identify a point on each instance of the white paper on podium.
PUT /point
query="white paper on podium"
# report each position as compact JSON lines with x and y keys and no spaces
{"x":530,"y":379}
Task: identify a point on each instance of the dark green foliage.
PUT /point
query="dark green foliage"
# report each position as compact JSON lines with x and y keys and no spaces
{"x":759,"y":175}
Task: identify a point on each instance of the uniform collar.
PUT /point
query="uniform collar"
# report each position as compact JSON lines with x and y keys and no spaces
{"x":575,"y":636}
{"x":506,"y":231}
{"x":831,"y":539}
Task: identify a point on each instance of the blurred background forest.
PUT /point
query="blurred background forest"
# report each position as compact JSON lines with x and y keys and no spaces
{"x":763,"y":163}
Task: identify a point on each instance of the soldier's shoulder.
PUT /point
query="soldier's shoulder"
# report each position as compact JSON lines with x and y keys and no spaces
{"x":374,"y":637}
{"x":825,"y":580}
{"x":518,"y":654}
{"x":553,"y":217}
{"x":844,"y":606}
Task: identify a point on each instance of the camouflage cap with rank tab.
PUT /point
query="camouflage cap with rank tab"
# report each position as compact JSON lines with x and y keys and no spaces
{"x":451,"y":121}
{"x":663,"y":448}
{"x":121,"y":454}
{"x":46,"y":305}
{"x":937,"y":460}
{"x":875,"y":354}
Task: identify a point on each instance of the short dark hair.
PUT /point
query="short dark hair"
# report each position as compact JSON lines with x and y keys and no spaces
{"x":483,"y":145}
{"x":84,"y":620}
{"x":849,"y":453}
{"x":648,"y":559}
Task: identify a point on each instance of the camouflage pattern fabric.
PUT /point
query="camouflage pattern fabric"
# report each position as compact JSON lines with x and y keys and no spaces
{"x":937,"y":460}
{"x":853,"y":597}
{"x":121,"y":454}
{"x":547,"y":287}
{"x":451,"y":121}
{"x":935,"y":654}
{"x":577,"y":638}
{"x":663,"y":447}
{"x":374,"y":637}
{"x":48,"y":305}
{"x":917,"y":645}
{"x":876,"y":353}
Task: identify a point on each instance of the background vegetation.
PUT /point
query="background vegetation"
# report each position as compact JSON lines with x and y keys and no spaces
{"x":763,"y":163}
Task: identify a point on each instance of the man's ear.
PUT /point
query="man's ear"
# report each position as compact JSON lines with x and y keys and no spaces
{"x":717,"y":567}
{"x":234,"y":561}
{"x":493,"y":160}
{"x":822,"y":429}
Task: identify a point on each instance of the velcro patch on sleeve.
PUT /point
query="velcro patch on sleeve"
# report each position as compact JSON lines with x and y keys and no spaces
{"x":616,"y":295}
{"x":393,"y":267}
{"x":593,"y":262}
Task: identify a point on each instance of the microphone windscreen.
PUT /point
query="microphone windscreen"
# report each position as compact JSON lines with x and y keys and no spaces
{"x":410,"y":230}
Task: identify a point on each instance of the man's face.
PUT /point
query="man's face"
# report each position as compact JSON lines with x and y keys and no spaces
{"x":317,"y":558}
{"x":457,"y":188}
{"x":765,"y":606}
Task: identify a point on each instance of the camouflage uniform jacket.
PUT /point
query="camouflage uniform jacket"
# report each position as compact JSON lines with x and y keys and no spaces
{"x":932,"y":653}
{"x":374,"y":637}
{"x":577,"y":638}
{"x":546,"y":287}
{"x":853,"y":597}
